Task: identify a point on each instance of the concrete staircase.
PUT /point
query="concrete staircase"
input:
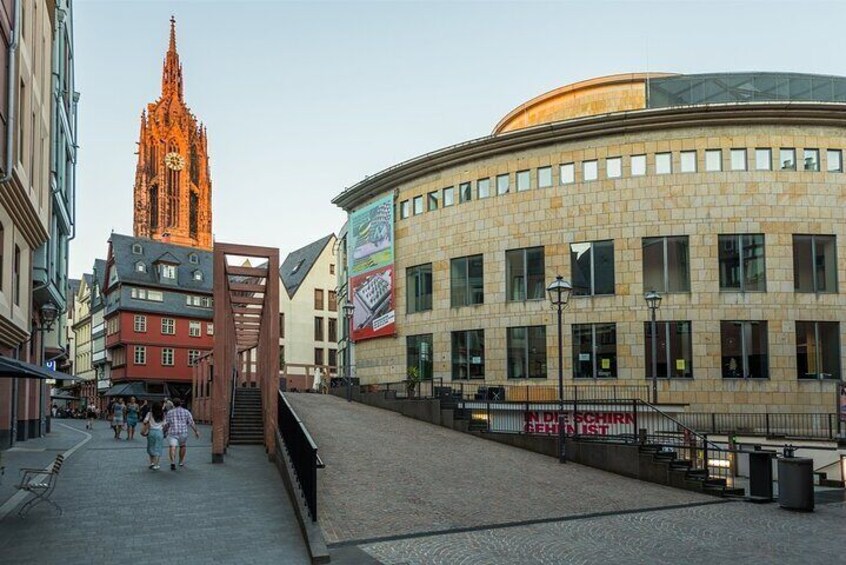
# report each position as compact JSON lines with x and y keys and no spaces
{"x":246,"y":426}
{"x":683,"y":475}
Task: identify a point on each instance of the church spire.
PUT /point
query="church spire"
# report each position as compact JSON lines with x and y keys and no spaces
{"x":172,"y":72}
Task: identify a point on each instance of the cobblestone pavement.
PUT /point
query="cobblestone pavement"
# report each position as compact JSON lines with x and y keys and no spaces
{"x":733,"y":532}
{"x":388,"y":475}
{"x":117,"y":510}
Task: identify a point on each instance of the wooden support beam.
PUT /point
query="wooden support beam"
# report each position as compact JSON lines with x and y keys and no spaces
{"x":246,"y":287}
{"x":246,"y":300}
{"x":260,"y":272}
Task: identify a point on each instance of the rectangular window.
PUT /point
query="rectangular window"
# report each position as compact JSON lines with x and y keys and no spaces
{"x":333,"y":357}
{"x":331,"y":268}
{"x":194,"y":329}
{"x":638,"y":165}
{"x":713,"y":160}
{"x":787,"y":159}
{"x":419,"y":354}
{"x":167,"y":356}
{"x":834,"y":161}
{"x":742,"y":262}
{"x":210,"y":329}
{"x":140,"y":324}
{"x":666,"y":264}
{"x":526,"y":352}
{"x":614,"y":167}
{"x":502,"y":184}
{"x":333,"y":330}
{"x":818,"y":350}
{"x":168,"y":326}
{"x":318,"y":299}
{"x":449,"y":196}
{"x":193,"y":355}
{"x":465,"y":192}
{"x":524,"y":181}
{"x":738,"y":159}
{"x":418,"y":205}
{"x":318,"y":328}
{"x":405,"y":209}
{"x":419,"y":288}
{"x":594,"y":351}
{"x":688,"y":161}
{"x":592,"y":267}
{"x":812,"y":159}
{"x":466,"y":281}
{"x":663,"y":163}
{"x":483,"y":188}
{"x":318,"y":356}
{"x":333,"y":301}
{"x":544,"y":177}
{"x":744,"y":350}
{"x":281,"y":325}
{"x":590,"y":170}
{"x":814,"y":263}
{"x":763,"y":159}
{"x":524,"y":274}
{"x":468,"y":355}
{"x":432,"y":199}
{"x":675,"y":350}
{"x":169,"y":271}
{"x":140,"y":355}
{"x":567,"y":173}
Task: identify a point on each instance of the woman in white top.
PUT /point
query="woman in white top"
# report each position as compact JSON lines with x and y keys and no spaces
{"x":154,"y":424}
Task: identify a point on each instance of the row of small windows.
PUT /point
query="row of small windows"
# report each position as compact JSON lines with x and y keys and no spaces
{"x":332,"y":299}
{"x":138,"y":249}
{"x":666,"y":268}
{"x":744,"y":351}
{"x":168,"y":326}
{"x":331,"y":360}
{"x":741,"y":159}
{"x":151,"y":295}
{"x":167,"y":356}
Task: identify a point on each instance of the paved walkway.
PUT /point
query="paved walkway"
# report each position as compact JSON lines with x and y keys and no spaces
{"x":117,"y":510}
{"x":406,"y":492}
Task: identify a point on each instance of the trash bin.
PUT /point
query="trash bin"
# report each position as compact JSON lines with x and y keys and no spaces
{"x":796,"y":483}
{"x":761,"y":476}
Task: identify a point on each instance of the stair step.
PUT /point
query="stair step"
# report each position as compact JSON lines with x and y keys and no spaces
{"x":697,"y":474}
{"x":715,"y":482}
{"x":665,"y":455}
{"x":680,"y":464}
{"x":833,"y":483}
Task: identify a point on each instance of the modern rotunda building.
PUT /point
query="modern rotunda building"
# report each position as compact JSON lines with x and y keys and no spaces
{"x":724,"y":193}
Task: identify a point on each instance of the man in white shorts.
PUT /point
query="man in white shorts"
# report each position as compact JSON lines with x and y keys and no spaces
{"x":177,"y":422}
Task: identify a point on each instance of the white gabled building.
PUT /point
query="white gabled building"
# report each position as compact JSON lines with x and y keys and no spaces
{"x":308,"y":310}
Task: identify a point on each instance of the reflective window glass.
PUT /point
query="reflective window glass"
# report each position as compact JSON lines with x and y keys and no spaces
{"x":544,"y":177}
{"x":419,"y":353}
{"x":594,"y":351}
{"x":812,"y":159}
{"x":688,"y":161}
{"x":666,"y":264}
{"x":741,"y":262}
{"x":763,"y":159}
{"x":614,"y":167}
{"x":592,"y":268}
{"x":526,"y":349}
{"x":663,"y":163}
{"x":743,"y":348}
{"x":468,"y":355}
{"x":590,"y":170}
{"x":675,"y":350}
{"x":834,"y":161}
{"x":405,"y":209}
{"x":449,"y":196}
{"x":787,"y":158}
{"x":818,"y":350}
{"x":465,"y":192}
{"x":814,"y":263}
{"x":418,"y":205}
{"x":638,"y":165}
{"x":432,"y":199}
{"x":502,"y":184}
{"x":738,"y":159}
{"x":483,"y":187}
{"x":713,"y":160}
{"x":567,"y":173}
{"x":524,"y":272}
{"x":524,"y":181}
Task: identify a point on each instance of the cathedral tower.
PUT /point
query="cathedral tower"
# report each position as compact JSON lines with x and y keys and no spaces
{"x":172,"y":180}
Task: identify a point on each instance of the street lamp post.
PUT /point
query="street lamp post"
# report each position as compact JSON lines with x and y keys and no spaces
{"x":49,"y":312}
{"x":653,"y":300}
{"x":349,"y":309}
{"x":559,"y":294}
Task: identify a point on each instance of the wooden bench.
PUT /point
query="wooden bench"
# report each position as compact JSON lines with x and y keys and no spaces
{"x":40,"y":484}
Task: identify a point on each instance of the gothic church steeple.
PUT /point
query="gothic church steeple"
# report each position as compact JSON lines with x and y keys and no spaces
{"x":172,"y":179}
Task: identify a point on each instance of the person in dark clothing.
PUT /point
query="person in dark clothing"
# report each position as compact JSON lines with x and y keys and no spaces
{"x":145,"y":408}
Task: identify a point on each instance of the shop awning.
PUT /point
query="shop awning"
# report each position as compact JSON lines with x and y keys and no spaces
{"x":63,"y":395}
{"x":15,"y":368}
{"x":136,"y":389}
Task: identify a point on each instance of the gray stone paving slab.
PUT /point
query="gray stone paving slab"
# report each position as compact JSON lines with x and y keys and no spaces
{"x":116,"y":509}
{"x":389,"y":475}
{"x":734,"y":532}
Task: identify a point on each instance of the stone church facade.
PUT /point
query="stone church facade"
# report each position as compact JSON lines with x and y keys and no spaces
{"x":172,"y":179}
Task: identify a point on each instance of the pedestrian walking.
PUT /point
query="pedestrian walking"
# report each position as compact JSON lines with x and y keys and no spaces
{"x":90,"y":415}
{"x":153,"y":428}
{"x":118,"y":417}
{"x":132,"y":410}
{"x":168,"y":405}
{"x":178,"y":420}
{"x":145,"y":408}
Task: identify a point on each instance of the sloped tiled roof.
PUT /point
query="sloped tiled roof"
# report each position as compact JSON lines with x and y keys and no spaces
{"x":298,"y":263}
{"x":152,"y":252}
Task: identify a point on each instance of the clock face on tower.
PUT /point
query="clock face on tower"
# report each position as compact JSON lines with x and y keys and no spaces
{"x":174,"y":161}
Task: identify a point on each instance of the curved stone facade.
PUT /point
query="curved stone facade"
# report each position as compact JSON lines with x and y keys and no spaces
{"x":691,"y":201}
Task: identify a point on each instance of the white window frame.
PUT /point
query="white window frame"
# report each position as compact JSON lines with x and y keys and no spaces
{"x":168,"y":354}
{"x":195,"y":329}
{"x":168,"y":324}
{"x":139,"y":355}
{"x":140,"y":323}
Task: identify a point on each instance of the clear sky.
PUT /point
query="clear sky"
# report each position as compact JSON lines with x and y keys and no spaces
{"x":302,"y":99}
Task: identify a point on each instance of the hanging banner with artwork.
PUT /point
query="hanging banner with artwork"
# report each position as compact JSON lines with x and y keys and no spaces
{"x":371,"y":268}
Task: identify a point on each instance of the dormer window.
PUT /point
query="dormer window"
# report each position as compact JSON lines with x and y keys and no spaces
{"x":193,"y":259}
{"x":168,"y":271}
{"x":297,"y":266}
{"x":140,"y":267}
{"x":137,"y":249}
{"x":198,"y":275}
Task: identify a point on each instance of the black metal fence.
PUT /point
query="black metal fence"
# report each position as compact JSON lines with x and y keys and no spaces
{"x":795,"y":425}
{"x":302,"y":451}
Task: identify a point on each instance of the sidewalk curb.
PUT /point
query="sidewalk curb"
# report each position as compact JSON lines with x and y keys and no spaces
{"x":14,"y":501}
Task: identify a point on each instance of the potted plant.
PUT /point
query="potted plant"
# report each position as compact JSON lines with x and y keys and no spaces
{"x":413,"y":378}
